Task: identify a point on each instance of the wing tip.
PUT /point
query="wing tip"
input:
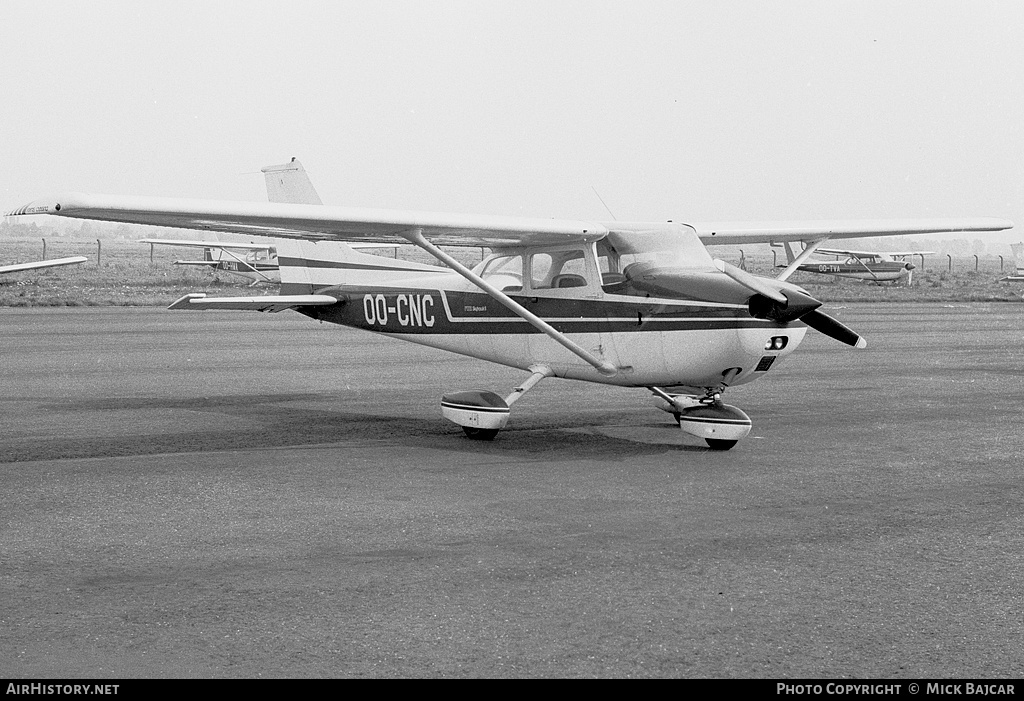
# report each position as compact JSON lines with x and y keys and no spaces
{"x":186,"y":301}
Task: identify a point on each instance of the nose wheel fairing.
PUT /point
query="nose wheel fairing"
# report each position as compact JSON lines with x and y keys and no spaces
{"x":720,"y":425}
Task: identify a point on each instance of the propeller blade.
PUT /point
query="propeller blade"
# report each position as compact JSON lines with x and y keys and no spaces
{"x":752,"y":282}
{"x":823,"y":323}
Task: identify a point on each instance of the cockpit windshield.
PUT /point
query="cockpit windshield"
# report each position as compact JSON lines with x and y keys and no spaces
{"x":675,"y":246}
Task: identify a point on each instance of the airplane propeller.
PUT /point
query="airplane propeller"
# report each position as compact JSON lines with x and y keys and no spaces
{"x":787,"y":305}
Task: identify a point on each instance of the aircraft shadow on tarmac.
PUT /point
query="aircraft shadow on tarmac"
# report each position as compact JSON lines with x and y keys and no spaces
{"x":304,"y":419}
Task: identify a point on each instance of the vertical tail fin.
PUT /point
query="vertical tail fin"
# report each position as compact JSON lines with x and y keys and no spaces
{"x":289,"y":184}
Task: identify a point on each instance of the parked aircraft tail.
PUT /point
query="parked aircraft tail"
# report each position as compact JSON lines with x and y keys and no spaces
{"x":289,"y":184}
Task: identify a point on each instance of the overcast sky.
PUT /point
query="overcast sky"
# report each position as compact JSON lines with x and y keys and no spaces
{"x":670,"y":110}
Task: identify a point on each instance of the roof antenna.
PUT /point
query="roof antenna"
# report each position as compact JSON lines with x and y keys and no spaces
{"x":602,"y":202}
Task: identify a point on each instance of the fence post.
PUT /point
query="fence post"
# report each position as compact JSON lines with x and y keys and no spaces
{"x":950,"y":268}
{"x":922,"y":261}
{"x":1000,"y":264}
{"x":99,"y":251}
{"x":44,"y":249}
{"x":151,"y":246}
{"x":975,"y":262}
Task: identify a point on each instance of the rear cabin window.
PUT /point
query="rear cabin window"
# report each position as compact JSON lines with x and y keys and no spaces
{"x":558,"y":270}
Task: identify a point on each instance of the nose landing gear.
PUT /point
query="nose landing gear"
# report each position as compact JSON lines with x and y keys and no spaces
{"x":720,"y":425}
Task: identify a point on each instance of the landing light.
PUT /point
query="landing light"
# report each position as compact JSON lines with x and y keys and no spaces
{"x":776,"y":343}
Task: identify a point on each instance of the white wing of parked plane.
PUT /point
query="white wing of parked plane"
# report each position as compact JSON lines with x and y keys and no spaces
{"x":885,"y":255}
{"x":42,"y":264}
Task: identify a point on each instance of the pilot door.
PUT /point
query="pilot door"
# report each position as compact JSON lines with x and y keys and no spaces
{"x":564,"y":288}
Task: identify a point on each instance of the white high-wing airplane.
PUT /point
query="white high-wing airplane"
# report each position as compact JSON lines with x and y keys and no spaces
{"x":632,"y":304}
{"x":36,"y":265}
{"x":253,"y":261}
{"x":872,"y":266}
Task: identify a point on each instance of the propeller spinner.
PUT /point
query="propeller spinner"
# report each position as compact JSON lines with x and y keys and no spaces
{"x":785,"y":305}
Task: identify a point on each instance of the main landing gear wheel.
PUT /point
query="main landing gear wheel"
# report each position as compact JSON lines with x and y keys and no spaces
{"x":481,"y":434}
{"x":719,"y":444}
{"x":482,"y":413}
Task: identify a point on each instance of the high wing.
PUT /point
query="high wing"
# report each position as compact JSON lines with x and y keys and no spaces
{"x":42,"y":264}
{"x":732,"y":233}
{"x":306,"y":221}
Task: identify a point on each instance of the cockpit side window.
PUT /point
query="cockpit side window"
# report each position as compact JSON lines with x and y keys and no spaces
{"x":504,"y":272}
{"x":540,"y":270}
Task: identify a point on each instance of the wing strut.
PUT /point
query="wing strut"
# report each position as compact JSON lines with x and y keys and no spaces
{"x":804,"y":255}
{"x":603,"y":366}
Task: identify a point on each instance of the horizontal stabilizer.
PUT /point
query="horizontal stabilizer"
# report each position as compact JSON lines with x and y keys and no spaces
{"x":270,"y":303}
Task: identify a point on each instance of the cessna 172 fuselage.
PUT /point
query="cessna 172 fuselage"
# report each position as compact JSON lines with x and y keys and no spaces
{"x":639,"y":304}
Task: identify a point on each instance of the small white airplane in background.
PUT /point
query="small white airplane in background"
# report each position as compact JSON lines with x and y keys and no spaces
{"x":36,"y":265}
{"x":872,"y":266}
{"x":632,"y":304}
{"x":254,"y":261}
